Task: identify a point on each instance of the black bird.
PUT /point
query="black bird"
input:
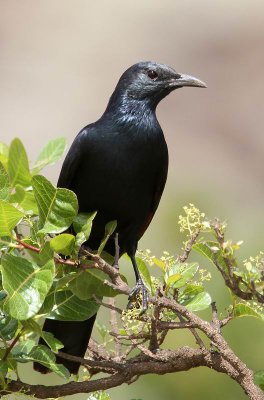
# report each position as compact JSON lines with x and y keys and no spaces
{"x":118,"y":166}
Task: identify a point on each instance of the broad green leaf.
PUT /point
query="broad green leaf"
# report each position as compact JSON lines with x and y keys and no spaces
{"x":159,"y":263}
{"x":46,"y":253}
{"x":5,"y":186}
{"x":51,"y":341}
{"x":189,"y":293}
{"x":144,"y":273}
{"x":57,"y":207}
{"x":29,"y":204}
{"x":259,"y":379}
{"x":30,"y":325}
{"x":173,"y":279}
{"x":109,"y":229}
{"x":26,"y":284}
{"x":25,"y":199}
{"x":200,"y":302}
{"x":82,"y":225}
{"x":187,"y":272}
{"x":18,"y":168}
{"x":68,"y":307}
{"x":8,"y":327}
{"x":17,"y":196}
{"x":63,"y":244}
{"x":207,"y":250}
{"x":44,"y":356}
{"x":23,"y":348}
{"x":81,"y":220}
{"x":9,"y":217}
{"x":3,"y":149}
{"x":192,"y":290}
{"x":49,"y":154}
{"x":65,"y":280}
{"x":3,"y":373}
{"x":11,"y":362}
{"x":91,"y":282}
{"x":49,"y":301}
{"x":245,"y":310}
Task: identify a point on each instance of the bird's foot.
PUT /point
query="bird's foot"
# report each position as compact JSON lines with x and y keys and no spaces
{"x":117,"y":250}
{"x":139,"y":288}
{"x":84,"y":251}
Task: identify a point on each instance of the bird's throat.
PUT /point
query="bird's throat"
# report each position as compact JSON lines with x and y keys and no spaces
{"x":136,"y":114}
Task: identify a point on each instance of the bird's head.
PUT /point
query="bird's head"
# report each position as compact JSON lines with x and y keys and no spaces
{"x":152,"y":81}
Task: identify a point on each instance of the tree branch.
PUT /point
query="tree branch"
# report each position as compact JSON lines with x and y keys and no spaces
{"x":182,"y":359}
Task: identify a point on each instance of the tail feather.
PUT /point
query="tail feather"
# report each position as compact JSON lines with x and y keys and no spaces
{"x":74,"y":335}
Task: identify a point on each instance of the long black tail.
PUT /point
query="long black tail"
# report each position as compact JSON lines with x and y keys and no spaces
{"x":75,"y":336}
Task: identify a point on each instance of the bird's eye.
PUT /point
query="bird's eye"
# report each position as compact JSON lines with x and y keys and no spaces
{"x":152,"y":74}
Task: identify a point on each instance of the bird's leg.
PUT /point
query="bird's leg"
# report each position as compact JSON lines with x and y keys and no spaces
{"x":117,"y":253}
{"x":140,"y":287}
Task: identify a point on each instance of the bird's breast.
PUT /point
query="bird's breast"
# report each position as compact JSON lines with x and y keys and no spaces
{"x":120,"y":173}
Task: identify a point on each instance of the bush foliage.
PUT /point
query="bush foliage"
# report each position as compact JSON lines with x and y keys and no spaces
{"x":43,"y":274}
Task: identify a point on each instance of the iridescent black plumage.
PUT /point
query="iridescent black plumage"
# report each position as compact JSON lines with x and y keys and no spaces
{"x":118,"y":166}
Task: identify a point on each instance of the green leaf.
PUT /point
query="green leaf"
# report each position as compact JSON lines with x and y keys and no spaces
{"x":18,"y":168}
{"x":17,"y":196}
{"x":8,"y":327}
{"x":245,"y":310}
{"x":11,"y":363}
{"x":109,"y":229}
{"x":200,"y":302}
{"x":49,"y":154}
{"x":192,"y":290}
{"x":186,"y":272}
{"x":57,"y":207}
{"x":44,"y":356}
{"x":26,"y":284}
{"x":23,"y":348}
{"x":159,"y":263}
{"x":4,"y":154}
{"x":259,"y":379}
{"x":45,"y":254}
{"x":3,"y":373}
{"x":51,"y":341}
{"x":82,"y":225}
{"x":9,"y":217}
{"x":30,"y":325}
{"x":91,"y":282}
{"x":28,"y":203}
{"x":5,"y":186}
{"x":68,"y":307}
{"x":207,"y":250}
{"x":25,"y":199}
{"x":144,"y":273}
{"x":49,"y":300}
{"x":81,"y":220}
{"x":173,"y":279}
{"x":63,"y":244}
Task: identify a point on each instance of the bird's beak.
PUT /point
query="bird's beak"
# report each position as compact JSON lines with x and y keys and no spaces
{"x":187,"y":80}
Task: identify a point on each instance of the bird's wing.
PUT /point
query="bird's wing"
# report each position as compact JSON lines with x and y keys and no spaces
{"x":71,"y":162}
{"x":158,"y":190}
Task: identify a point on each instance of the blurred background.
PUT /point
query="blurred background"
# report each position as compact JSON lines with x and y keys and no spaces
{"x":60,"y":61}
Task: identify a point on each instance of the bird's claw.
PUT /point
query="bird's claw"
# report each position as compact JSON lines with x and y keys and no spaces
{"x":139,"y":288}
